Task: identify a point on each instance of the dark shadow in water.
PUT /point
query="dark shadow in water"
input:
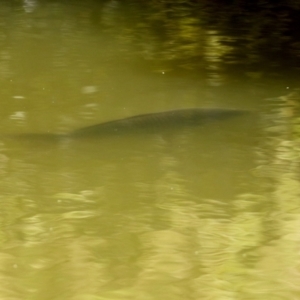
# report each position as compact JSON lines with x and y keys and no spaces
{"x":157,"y":121}
{"x":141,"y":124}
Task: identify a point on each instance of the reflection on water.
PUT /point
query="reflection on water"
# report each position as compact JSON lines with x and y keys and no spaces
{"x":209,"y":212}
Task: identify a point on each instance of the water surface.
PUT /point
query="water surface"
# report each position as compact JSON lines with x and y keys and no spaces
{"x":205,"y":212}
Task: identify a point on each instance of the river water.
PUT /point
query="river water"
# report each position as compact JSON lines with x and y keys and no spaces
{"x":205,"y":212}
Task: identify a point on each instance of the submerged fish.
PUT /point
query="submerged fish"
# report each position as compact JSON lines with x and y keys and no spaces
{"x":145,"y":123}
{"x":156,"y":121}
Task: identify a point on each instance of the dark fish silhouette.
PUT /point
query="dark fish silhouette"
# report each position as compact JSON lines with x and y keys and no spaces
{"x":157,"y":121}
{"x":145,"y":123}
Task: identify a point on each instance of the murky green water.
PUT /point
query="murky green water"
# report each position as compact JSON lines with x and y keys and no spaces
{"x":205,"y":212}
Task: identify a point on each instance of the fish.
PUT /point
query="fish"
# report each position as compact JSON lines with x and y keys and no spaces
{"x":157,"y":121}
